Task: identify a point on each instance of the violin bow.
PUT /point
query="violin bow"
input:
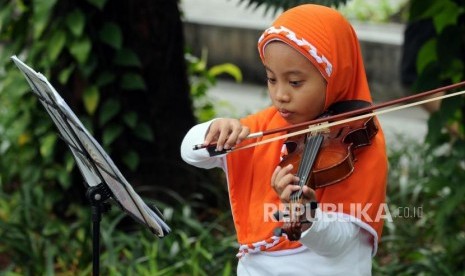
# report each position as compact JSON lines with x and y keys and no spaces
{"x":346,"y":117}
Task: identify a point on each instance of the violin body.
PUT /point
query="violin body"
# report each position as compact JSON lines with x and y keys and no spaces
{"x":336,"y":157}
{"x":324,"y":158}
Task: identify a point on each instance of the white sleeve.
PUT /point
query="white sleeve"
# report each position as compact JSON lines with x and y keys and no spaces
{"x":199,"y":158}
{"x":331,"y":234}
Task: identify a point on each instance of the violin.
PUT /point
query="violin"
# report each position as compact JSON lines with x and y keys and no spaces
{"x":323,"y":149}
{"x":339,"y":119}
{"x":330,"y":152}
{"x":324,"y":158}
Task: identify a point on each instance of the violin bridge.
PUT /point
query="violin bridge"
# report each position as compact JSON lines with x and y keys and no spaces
{"x":320,"y":128}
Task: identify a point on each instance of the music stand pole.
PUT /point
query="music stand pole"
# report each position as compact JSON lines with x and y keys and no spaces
{"x":97,"y":196}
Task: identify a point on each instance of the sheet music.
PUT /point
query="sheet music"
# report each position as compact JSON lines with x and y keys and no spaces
{"x":95,"y":165}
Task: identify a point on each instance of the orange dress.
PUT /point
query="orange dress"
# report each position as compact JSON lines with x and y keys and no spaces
{"x":252,"y":199}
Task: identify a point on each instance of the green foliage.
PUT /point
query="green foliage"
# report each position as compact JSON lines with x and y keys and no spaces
{"x":426,"y":200}
{"x":362,"y":10}
{"x":38,"y":243}
{"x":44,"y":226}
{"x":34,"y":239}
{"x":203,"y":78}
{"x":35,"y":168}
{"x":441,"y":59}
{"x":374,"y":11}
{"x":67,"y":51}
{"x":276,"y":6}
{"x":431,"y":175}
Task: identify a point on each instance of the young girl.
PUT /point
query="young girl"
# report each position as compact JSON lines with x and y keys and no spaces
{"x":312,"y":60}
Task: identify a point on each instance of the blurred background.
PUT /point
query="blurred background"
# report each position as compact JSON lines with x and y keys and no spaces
{"x":140,"y":74}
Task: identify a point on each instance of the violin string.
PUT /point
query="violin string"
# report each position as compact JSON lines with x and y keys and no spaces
{"x":311,"y":149}
{"x":307,"y":163}
{"x":303,"y":165}
{"x":317,"y":141}
{"x":300,"y":172}
{"x":348,"y":120}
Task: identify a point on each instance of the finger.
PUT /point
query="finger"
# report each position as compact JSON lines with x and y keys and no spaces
{"x":285,"y":170}
{"x":221,"y":140}
{"x":285,"y":177}
{"x":236,"y":133}
{"x":287,"y":192}
{"x":287,"y":180}
{"x":232,"y":137}
{"x":282,"y":182}
{"x":243,"y":134}
{"x":281,"y":177}
{"x":273,"y":176}
{"x":212,"y":133}
{"x":308,"y":194}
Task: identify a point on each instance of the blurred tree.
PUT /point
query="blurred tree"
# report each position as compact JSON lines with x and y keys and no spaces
{"x":120,"y":66}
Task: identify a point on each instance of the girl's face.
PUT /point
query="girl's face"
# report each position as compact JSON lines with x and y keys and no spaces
{"x":297,"y":89}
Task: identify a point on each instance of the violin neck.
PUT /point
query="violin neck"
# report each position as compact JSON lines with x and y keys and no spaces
{"x":311,"y":149}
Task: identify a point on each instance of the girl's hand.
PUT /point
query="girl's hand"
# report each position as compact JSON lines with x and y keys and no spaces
{"x":283,"y":181}
{"x":226,"y":133}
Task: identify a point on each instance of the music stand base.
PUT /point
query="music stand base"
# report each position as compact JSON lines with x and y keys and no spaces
{"x":97,"y":195}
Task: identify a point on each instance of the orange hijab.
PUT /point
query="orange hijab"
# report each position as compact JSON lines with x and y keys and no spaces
{"x":326,"y":38}
{"x":328,"y":41}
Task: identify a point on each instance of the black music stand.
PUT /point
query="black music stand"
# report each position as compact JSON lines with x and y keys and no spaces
{"x":102,"y":177}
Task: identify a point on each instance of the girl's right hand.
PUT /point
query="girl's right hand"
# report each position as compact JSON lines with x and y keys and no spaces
{"x":226,"y":133}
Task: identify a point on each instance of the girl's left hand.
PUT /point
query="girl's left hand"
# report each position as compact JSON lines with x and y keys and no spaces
{"x":282,"y":181}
